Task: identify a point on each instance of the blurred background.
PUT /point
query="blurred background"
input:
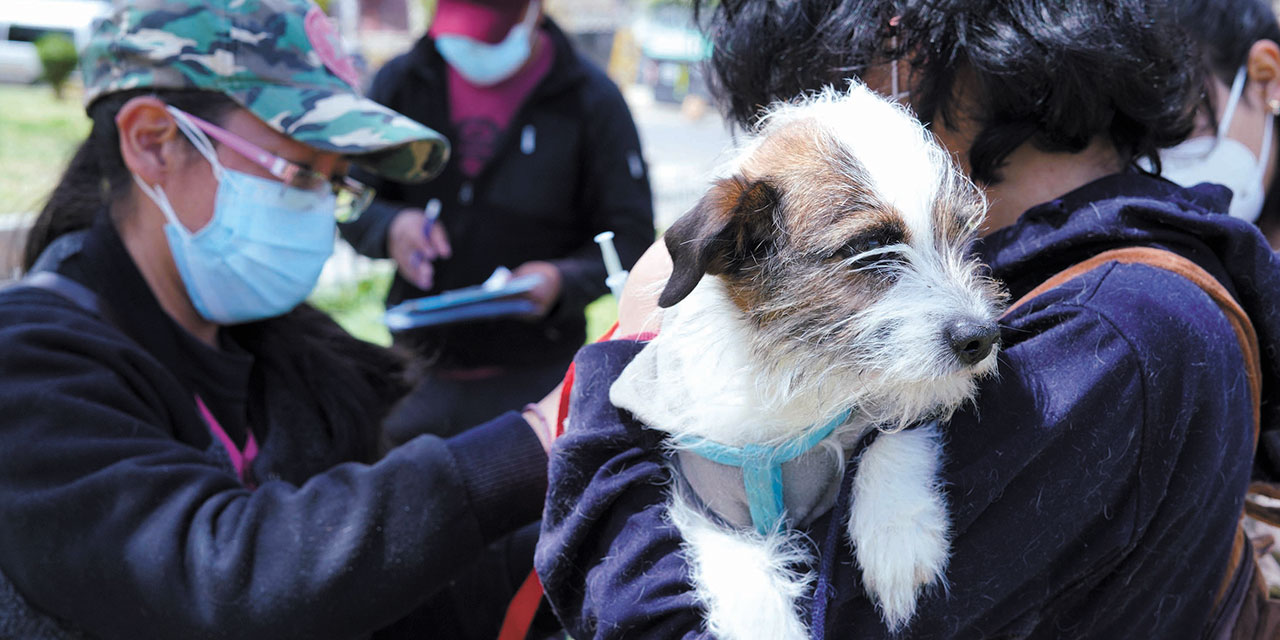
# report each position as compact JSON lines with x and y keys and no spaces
{"x":650,"y":48}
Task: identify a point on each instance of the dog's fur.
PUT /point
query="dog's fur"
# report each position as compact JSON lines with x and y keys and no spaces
{"x":838,"y":245}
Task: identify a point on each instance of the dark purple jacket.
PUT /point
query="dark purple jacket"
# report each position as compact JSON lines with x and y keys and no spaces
{"x":1094,"y":490}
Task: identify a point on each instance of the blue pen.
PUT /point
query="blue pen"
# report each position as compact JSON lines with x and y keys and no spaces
{"x":432,"y":212}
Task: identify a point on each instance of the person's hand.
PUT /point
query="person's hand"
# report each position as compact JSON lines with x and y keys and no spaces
{"x":638,"y":310}
{"x":547,"y":292}
{"x":413,"y":250}
{"x":542,"y":415}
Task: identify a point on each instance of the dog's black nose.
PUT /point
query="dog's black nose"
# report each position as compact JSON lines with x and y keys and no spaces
{"x":972,"y":341}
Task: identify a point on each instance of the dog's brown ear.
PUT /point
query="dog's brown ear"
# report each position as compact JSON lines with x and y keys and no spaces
{"x":728,"y":228}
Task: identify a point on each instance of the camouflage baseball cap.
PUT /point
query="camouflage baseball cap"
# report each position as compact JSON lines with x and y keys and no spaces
{"x":280,"y":59}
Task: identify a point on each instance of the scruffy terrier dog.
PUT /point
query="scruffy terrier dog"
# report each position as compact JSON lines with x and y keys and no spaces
{"x":843,"y":301}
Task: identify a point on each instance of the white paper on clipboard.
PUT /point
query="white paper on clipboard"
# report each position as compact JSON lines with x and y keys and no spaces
{"x":496,"y":297}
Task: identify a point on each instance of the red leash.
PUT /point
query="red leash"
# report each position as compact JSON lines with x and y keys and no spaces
{"x":524,"y":605}
{"x":522,"y":609}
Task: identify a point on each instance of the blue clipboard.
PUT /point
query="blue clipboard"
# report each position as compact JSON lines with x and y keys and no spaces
{"x":497,"y":297}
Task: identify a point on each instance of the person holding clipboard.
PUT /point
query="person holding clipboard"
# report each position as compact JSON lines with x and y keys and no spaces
{"x":545,"y":156}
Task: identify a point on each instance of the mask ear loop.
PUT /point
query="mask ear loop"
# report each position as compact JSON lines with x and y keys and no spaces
{"x":157,"y":196}
{"x":893,"y":83}
{"x":198,"y":139}
{"x":894,"y":93}
{"x":527,"y":23}
{"x":1268,"y":130}
{"x":530,"y":19}
{"x":1237,"y":90}
{"x":204,"y":146}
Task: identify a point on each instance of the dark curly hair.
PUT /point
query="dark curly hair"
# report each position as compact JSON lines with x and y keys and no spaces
{"x":1056,"y":73}
{"x":1226,"y":29}
{"x":1223,"y":32}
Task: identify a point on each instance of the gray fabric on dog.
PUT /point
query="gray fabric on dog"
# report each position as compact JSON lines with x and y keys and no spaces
{"x":809,"y":486}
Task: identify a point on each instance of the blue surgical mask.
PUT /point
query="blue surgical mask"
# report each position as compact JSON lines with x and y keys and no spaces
{"x":1223,"y":160}
{"x":484,"y":64}
{"x":261,"y":252}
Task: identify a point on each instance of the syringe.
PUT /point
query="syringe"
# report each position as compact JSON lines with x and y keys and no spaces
{"x":612,"y":264}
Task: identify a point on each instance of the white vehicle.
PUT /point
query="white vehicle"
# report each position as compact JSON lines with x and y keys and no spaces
{"x":22,"y":22}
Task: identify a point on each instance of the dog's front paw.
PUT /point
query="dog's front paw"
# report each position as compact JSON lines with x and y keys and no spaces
{"x":898,"y":521}
{"x":898,"y":560}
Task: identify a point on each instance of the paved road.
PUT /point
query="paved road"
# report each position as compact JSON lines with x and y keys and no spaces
{"x":13,"y":237}
{"x":682,"y":153}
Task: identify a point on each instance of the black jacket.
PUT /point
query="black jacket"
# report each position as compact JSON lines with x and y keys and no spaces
{"x":583,"y":175}
{"x":120,"y":516}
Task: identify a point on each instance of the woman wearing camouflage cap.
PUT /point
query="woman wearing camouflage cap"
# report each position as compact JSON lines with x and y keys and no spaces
{"x":187,"y":450}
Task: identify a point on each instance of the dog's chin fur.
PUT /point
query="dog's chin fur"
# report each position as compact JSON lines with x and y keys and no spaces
{"x":836,"y":275}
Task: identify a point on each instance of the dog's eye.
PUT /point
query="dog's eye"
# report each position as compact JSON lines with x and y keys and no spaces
{"x":857,"y":246}
{"x":879,"y":260}
{"x":869,"y":242}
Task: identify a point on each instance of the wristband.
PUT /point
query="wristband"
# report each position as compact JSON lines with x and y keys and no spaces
{"x":543,"y":428}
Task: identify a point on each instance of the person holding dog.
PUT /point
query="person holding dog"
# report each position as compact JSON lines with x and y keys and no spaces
{"x":186,"y":449}
{"x":1097,"y":483}
{"x":545,"y":157}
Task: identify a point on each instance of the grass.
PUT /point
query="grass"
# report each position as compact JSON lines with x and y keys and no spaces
{"x":601,"y":315}
{"x":38,"y":135}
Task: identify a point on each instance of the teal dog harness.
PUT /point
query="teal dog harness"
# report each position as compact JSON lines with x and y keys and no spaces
{"x":762,"y":468}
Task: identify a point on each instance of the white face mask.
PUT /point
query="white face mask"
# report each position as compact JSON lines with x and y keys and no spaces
{"x":1225,"y":161}
{"x":485,"y":64}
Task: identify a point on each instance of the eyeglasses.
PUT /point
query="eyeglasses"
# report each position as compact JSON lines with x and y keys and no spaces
{"x":353,"y":197}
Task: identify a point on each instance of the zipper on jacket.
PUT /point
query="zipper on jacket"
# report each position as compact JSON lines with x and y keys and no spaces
{"x":528,"y":139}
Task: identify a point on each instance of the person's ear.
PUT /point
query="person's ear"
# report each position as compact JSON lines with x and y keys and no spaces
{"x":1263,"y":67}
{"x":150,"y":141}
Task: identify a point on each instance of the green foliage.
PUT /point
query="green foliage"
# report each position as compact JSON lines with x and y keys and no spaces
{"x":58,"y":57}
{"x":358,"y":305}
{"x":38,"y":134}
{"x":601,"y":315}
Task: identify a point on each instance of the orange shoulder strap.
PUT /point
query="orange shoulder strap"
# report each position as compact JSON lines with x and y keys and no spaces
{"x":1169,"y":261}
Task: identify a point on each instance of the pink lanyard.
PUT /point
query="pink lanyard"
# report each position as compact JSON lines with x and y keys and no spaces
{"x":240,"y":459}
